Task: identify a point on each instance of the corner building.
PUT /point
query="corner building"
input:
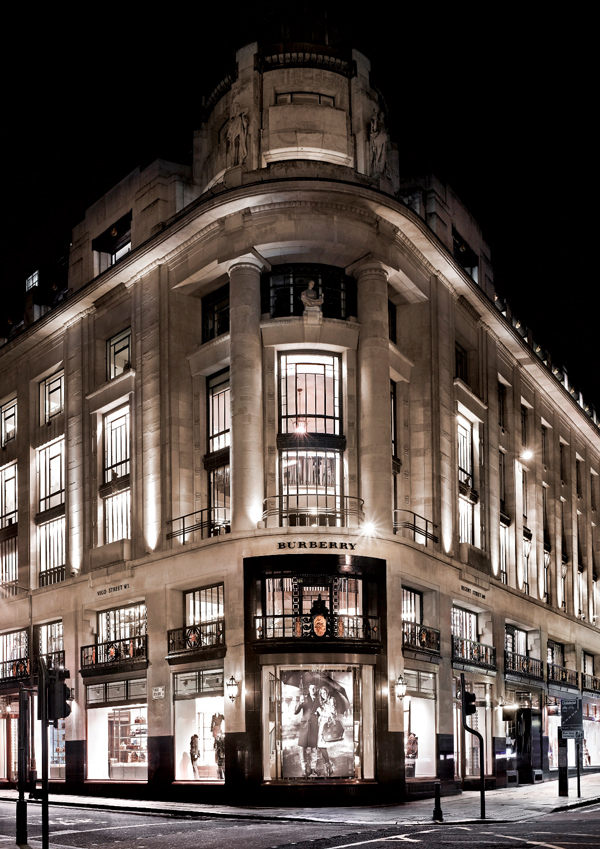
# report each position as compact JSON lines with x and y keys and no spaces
{"x":221,"y":495}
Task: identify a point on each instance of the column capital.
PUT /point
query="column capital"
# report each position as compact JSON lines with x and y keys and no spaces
{"x":252,"y":259}
{"x":367,"y":263}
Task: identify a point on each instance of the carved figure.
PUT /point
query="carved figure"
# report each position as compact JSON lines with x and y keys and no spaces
{"x":310,"y":298}
{"x":378,"y":143}
{"x":237,"y":132}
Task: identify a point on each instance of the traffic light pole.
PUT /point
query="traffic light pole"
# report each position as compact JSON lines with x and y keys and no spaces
{"x":476,"y":734}
{"x":23,"y":741}
{"x":43,"y":715}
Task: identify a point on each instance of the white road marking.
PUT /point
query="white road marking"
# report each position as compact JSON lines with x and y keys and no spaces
{"x":530,"y":842}
{"x":106,"y":828}
{"x":403,"y":837}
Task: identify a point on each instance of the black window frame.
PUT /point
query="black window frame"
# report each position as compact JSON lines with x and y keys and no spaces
{"x":215,"y":314}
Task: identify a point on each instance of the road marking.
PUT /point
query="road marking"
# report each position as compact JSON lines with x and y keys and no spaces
{"x":530,"y":842}
{"x":106,"y":828}
{"x":403,"y":837}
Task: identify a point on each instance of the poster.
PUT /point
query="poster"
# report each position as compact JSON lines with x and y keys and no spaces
{"x":317,"y":724}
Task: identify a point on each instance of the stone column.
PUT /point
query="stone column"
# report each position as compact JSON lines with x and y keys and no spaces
{"x":245,"y":380}
{"x":375,"y":431}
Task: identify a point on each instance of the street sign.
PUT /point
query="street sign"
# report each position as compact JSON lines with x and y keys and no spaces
{"x":572,"y":733}
{"x":571,"y":715}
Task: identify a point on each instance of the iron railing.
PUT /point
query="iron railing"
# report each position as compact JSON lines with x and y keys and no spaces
{"x":14,"y":669}
{"x":590,"y":682}
{"x":9,"y":588}
{"x":315,"y":510}
{"x":520,"y":664}
{"x":210,"y":522}
{"x":415,"y":527}
{"x":422,"y":637}
{"x":339,"y":627}
{"x":115,"y":652}
{"x":562,"y":675}
{"x":54,"y":660}
{"x":52,"y":576}
{"x":195,"y":638}
{"x":475,"y":654}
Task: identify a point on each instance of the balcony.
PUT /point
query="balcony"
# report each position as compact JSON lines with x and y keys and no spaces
{"x":470,"y":653}
{"x":14,"y":670}
{"x":590,"y":683}
{"x":52,"y":576}
{"x":415,"y":527}
{"x":114,"y":656}
{"x":336,"y":628}
{"x":562,"y":675}
{"x":202,"y":524}
{"x":421,"y":638}
{"x":523,"y":666}
{"x":196,"y":642}
{"x":313,"y":511}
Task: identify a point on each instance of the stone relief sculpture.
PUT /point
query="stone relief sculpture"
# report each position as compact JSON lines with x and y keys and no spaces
{"x":379,"y":139}
{"x":237,"y":132}
{"x":311,"y":299}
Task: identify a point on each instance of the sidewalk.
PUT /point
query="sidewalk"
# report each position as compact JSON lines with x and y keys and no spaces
{"x":515,"y":803}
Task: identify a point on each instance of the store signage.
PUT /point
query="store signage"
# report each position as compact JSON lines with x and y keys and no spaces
{"x":116,"y":589}
{"x":475,"y":593}
{"x":571,"y":719}
{"x":346,"y":546}
{"x":158,"y":692}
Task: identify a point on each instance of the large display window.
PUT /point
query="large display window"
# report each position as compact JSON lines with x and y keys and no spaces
{"x":199,"y":725}
{"x":591,"y":733}
{"x":317,"y":722}
{"x":419,"y":724}
{"x":466,"y":745}
{"x":117,"y":730}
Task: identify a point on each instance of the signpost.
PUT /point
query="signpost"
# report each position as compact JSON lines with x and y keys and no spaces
{"x":571,"y":722}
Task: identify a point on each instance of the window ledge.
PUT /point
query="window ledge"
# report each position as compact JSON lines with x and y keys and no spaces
{"x":111,"y":391}
{"x":50,"y":514}
{"x":111,"y":554}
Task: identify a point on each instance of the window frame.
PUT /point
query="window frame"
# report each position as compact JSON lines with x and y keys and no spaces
{"x":4,"y":416}
{"x":46,"y":392}
{"x":189,"y":596}
{"x":46,"y":457}
{"x":9,"y":517}
{"x":112,"y":353}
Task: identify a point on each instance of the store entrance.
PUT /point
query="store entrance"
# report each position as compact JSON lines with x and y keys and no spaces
{"x":9,"y":745}
{"x":529,"y":743}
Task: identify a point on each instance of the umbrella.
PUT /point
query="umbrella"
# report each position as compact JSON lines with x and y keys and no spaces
{"x":303,"y":677}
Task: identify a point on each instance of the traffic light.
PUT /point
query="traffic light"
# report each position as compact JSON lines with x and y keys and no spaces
{"x":58,"y":693}
{"x":469,"y":703}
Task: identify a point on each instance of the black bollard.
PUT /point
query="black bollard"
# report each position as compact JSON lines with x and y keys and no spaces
{"x":437,"y":811}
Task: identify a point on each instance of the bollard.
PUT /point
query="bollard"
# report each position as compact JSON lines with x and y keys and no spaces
{"x":437,"y":811}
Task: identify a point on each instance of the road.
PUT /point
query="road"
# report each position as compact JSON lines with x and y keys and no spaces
{"x":87,"y":828}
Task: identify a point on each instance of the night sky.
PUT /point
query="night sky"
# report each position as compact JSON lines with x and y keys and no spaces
{"x":498,"y":108}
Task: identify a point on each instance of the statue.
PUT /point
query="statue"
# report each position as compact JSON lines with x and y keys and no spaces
{"x":237,"y":132}
{"x":310,"y":298}
{"x":378,"y":143}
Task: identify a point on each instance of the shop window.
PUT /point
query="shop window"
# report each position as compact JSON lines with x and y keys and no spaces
{"x":8,"y":421}
{"x":8,"y":495}
{"x":9,"y":565}
{"x":51,"y":539}
{"x":51,"y":475}
{"x":112,"y":245}
{"x":281,"y":290}
{"x":118,"y":354}
{"x":419,"y":724}
{"x":52,"y":396}
{"x":199,"y":725}
{"x":215,"y":314}
{"x":117,"y":743}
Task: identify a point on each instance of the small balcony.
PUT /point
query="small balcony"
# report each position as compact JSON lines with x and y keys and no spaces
{"x":196,"y":642}
{"x":562,"y":675}
{"x":415,"y":527}
{"x":525,"y":667}
{"x":313,"y":511}
{"x":335,"y":628}
{"x":114,"y":656}
{"x":591,"y":683}
{"x":470,"y":653}
{"x":193,"y":527}
{"x":14,"y":670}
{"x":52,"y":576}
{"x":420,"y":638}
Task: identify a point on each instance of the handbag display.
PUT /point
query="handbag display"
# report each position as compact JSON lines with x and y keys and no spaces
{"x":333,"y":731}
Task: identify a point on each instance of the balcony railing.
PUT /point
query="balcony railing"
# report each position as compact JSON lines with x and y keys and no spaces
{"x":415,"y":527}
{"x":421,"y":637}
{"x":54,"y":660}
{"x":195,"y":638}
{"x":210,"y":522}
{"x":14,"y":669}
{"x":290,"y":626}
{"x":590,"y":682}
{"x":562,"y":675}
{"x":52,"y":576}
{"x":520,"y":664}
{"x":9,"y":588}
{"x":475,"y":654}
{"x":313,"y":511}
{"x":115,"y":653}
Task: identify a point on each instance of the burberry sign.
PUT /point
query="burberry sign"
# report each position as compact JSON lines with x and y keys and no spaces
{"x":345,"y":546}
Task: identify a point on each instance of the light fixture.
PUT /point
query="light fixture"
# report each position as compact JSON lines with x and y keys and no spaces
{"x":527,"y":454}
{"x":368,"y":529}
{"x":526,"y":547}
{"x":400,"y":687}
{"x":300,"y":420}
{"x":546,"y":558}
{"x":232,"y":689}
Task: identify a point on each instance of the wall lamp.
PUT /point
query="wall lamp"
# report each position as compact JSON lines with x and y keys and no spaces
{"x":400,"y":687}
{"x":233,"y":688}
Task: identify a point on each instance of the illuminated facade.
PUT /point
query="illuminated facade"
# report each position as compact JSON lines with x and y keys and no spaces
{"x":280,"y":446}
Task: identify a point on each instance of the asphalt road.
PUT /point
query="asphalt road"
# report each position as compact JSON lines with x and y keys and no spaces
{"x":84,"y":828}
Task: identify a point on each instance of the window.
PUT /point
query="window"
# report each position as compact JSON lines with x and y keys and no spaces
{"x":501,"y":405}
{"x":310,"y":399}
{"x":305,"y":98}
{"x":116,"y":490}
{"x":502,"y":478}
{"x":555,"y":653}
{"x":523,"y":425}
{"x":580,"y":593}
{"x":219,"y":496}
{"x":563,"y":462}
{"x":515,"y":640}
{"x":395,"y":445}
{"x":465,"y":255}
{"x":544,"y":445}
{"x":460,"y":361}
{"x":464,"y":624}
{"x":593,"y":485}
{"x":205,"y":606}
{"x":587,"y":663}
{"x":526,"y":555}
{"x":467,"y":496}
{"x":215,"y":314}
{"x":392,"y":321}
{"x":112,"y":245}
{"x":116,"y":444}
{"x":32,"y":281}
{"x":9,"y":565}
{"x":13,"y":646}
{"x":524,"y":494}
{"x":51,"y":536}
{"x":117,"y":513}
{"x":282,"y":287}
{"x":52,"y":396}
{"x":50,"y":638}
{"x":8,"y":495}
{"x":122,"y":623}
{"x":219,"y":415}
{"x":51,"y":475}
{"x":412,"y":606}
{"x":578,"y":479}
{"x":118,"y":354}
{"x":504,"y":553}
{"x":8,"y":417}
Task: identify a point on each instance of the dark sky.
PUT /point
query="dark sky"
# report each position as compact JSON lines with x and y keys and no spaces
{"x":500,"y":108}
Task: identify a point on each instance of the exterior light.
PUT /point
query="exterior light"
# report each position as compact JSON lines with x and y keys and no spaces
{"x":400,"y":688}
{"x":527,"y":455}
{"x":526,"y":547}
{"x":300,"y":420}
{"x":232,"y":689}
{"x":369,"y":529}
{"x":547,"y":558}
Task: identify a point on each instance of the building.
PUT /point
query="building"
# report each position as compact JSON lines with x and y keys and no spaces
{"x":280,"y":452}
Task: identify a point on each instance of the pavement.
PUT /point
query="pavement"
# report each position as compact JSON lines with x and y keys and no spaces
{"x":528,"y":801}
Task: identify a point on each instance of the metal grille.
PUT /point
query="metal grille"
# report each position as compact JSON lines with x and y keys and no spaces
{"x":205,"y":605}
{"x":122,"y":623}
{"x":310,"y":394}
{"x":51,"y":472}
{"x":117,"y":509}
{"x":116,"y":444}
{"x":8,"y":495}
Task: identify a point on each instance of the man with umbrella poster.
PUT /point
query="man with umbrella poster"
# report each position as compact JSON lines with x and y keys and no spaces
{"x":309,"y":731}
